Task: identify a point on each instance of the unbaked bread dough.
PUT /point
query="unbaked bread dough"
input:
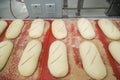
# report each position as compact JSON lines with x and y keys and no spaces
{"x":114,"y":48}
{"x":109,"y":29}
{"x":57,"y":60}
{"x":36,"y":28}
{"x":29,"y":60}
{"x":91,"y":59}
{"x":3,"y":25}
{"x":59,"y":29}
{"x":5,"y":51}
{"x":86,"y":28}
{"x":14,"y":29}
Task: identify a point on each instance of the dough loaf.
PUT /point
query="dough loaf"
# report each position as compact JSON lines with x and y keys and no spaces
{"x":36,"y":28}
{"x":59,"y":29}
{"x":5,"y":51}
{"x":86,"y":28}
{"x":29,"y":60}
{"x":57,"y":61}
{"x":109,"y":29}
{"x":91,"y":59}
{"x":114,"y":48}
{"x":3,"y":25}
{"x":14,"y":29}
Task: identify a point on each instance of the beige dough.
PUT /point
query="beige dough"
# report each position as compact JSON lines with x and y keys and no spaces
{"x":5,"y":51}
{"x":3,"y":25}
{"x":86,"y":28}
{"x":57,"y":61}
{"x":109,"y":29}
{"x":114,"y":48}
{"x":14,"y":29}
{"x":29,"y":60}
{"x":91,"y":59}
{"x":59,"y":29}
{"x":36,"y":28}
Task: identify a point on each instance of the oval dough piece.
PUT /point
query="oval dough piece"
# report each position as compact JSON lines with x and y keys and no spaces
{"x":29,"y":60}
{"x":37,"y":28}
{"x":14,"y":29}
{"x":3,"y":25}
{"x":91,"y":59}
{"x":5,"y":51}
{"x":109,"y":29}
{"x":86,"y":28}
{"x":114,"y":48}
{"x":57,"y":61}
{"x":59,"y":29}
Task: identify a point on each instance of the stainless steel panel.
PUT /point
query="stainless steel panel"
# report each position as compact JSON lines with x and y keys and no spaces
{"x":95,"y":4}
{"x":19,"y":12}
{"x":47,"y":8}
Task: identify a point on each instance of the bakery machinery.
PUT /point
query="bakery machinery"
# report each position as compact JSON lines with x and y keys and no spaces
{"x":59,"y":8}
{"x":44,"y":8}
{"x":60,"y":40}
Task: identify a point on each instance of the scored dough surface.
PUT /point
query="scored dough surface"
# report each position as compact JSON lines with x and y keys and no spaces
{"x":29,"y":59}
{"x":114,"y":48}
{"x":36,"y":28}
{"x":5,"y":51}
{"x":3,"y":25}
{"x":85,"y":28}
{"x":14,"y":29}
{"x":57,"y":61}
{"x":91,"y":59}
{"x":109,"y":29}
{"x":59,"y":29}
